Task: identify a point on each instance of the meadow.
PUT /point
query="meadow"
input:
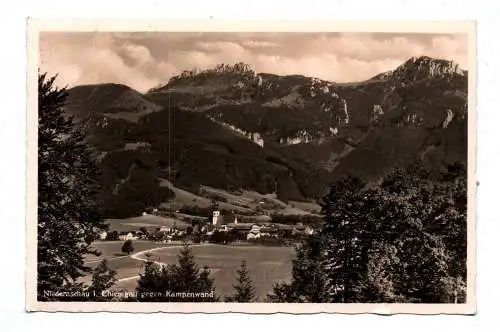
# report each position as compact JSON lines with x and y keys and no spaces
{"x":267,"y":265}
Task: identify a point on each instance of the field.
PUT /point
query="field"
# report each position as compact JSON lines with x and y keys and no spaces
{"x":148,"y":221}
{"x":244,"y":201}
{"x":266,"y":264}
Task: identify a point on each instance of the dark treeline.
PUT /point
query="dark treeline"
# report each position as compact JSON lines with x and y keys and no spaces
{"x":403,"y":241}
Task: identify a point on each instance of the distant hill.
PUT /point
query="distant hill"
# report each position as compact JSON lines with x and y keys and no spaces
{"x":234,"y":129}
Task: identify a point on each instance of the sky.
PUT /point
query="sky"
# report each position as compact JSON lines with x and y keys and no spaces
{"x":143,"y":60}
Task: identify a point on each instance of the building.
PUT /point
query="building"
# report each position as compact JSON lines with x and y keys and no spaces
{"x":165,"y":229}
{"x":128,"y":236}
{"x":309,"y":230}
{"x":255,"y":229}
{"x":103,"y":235}
{"x":254,"y":232}
{"x":216,"y":217}
{"x":301,"y":229}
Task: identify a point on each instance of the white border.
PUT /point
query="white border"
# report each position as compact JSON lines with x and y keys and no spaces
{"x":37,"y":25}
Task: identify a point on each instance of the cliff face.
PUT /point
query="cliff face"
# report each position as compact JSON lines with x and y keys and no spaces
{"x":233,"y":128}
{"x":418,"y":68}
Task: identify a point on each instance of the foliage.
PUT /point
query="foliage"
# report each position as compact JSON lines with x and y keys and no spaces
{"x":112,"y":236}
{"x":69,"y":217}
{"x":127,"y":247}
{"x":244,"y":288}
{"x":131,"y":182}
{"x":103,"y":278}
{"x":402,"y":241}
{"x":305,"y":219}
{"x":308,"y":279}
{"x":222,"y":237}
{"x":182,"y":282}
{"x":144,"y":231}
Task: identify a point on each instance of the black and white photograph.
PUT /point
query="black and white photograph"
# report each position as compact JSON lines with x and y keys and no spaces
{"x":288,"y":170}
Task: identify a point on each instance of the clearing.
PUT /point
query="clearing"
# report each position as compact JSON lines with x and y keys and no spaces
{"x":267,"y":265}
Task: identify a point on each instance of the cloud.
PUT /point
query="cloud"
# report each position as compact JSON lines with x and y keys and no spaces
{"x":140,"y":54}
{"x":259,"y":44}
{"x":93,"y":60}
{"x":144,"y":60}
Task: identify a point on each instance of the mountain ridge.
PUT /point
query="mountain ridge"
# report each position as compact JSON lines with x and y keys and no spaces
{"x":232,"y":128}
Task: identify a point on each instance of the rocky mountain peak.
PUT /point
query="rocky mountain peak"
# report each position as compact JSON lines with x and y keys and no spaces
{"x":418,"y":68}
{"x":237,"y":74}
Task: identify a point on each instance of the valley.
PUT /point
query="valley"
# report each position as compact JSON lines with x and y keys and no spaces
{"x":209,"y":134}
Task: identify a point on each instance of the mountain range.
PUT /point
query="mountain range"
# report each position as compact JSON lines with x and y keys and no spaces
{"x":232,"y":129}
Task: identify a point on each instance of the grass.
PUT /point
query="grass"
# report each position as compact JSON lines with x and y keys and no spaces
{"x":267,"y":265}
{"x":244,"y":201}
{"x":149,"y":221}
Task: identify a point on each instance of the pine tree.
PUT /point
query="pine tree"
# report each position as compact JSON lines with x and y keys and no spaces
{"x":348,"y":239}
{"x":244,"y":288}
{"x":308,"y":279}
{"x":154,"y":281}
{"x":181,"y":282}
{"x":402,"y":241}
{"x":103,"y":279}
{"x":69,"y":217}
{"x":185,"y":276}
{"x":185,"y":272}
{"x":282,"y":293}
{"x":127,"y":247}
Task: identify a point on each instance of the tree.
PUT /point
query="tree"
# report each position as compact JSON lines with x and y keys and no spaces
{"x":308,"y":280}
{"x":112,"y":236}
{"x":103,"y":278}
{"x":127,"y":247}
{"x":186,"y":275}
{"x":144,"y":231}
{"x":69,"y":216}
{"x":244,"y":288}
{"x":181,"y":282}
{"x":153,"y":281}
{"x":220,"y":237}
{"x":402,"y":241}
{"x":432,"y":214}
{"x":348,"y":238}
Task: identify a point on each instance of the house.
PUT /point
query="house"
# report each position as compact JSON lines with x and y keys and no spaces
{"x":301,"y":229}
{"x":128,"y":236}
{"x":255,"y":229}
{"x":252,"y":236}
{"x":165,"y":229}
{"x":103,"y":235}
{"x":269,"y":228}
{"x":309,"y":230}
{"x":269,"y":231}
{"x":247,"y":230}
{"x":140,"y":235}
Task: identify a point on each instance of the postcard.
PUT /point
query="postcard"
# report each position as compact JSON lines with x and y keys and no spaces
{"x":243,"y":166}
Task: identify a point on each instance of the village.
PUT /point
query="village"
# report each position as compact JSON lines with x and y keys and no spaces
{"x":171,"y":227}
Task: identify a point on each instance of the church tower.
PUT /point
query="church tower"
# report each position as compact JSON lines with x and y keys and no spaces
{"x":216,"y":217}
